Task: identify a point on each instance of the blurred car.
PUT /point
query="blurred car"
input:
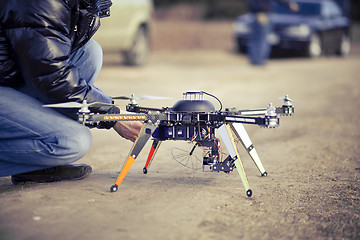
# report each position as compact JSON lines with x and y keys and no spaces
{"x":319,"y":27}
{"x":127,"y":30}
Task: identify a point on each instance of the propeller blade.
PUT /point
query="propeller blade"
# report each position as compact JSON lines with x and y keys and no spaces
{"x":133,"y":97}
{"x":121,"y":98}
{"x":99,"y":104}
{"x":286,"y":98}
{"x":64,"y":105}
{"x":151,"y":98}
{"x":77,"y":105}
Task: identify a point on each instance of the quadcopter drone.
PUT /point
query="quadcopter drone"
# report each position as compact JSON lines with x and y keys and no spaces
{"x":195,"y":120}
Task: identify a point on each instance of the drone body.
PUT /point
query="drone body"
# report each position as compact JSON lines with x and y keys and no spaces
{"x":195,"y":120}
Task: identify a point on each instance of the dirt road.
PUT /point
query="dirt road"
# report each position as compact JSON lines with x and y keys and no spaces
{"x":312,"y":190}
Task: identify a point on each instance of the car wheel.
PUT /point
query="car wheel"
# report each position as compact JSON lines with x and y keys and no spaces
{"x":139,"y":51}
{"x":314,"y":49}
{"x":344,"y":46}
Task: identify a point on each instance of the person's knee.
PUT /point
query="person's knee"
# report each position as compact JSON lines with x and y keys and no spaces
{"x":67,"y":147}
{"x":78,"y":143}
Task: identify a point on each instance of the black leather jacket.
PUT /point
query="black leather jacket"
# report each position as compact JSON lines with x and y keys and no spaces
{"x":36,"y":40}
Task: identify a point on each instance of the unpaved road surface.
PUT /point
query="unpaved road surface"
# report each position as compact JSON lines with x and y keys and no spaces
{"x":313,"y":161}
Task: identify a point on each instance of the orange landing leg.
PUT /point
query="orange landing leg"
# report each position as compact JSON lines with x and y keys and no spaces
{"x":123,"y":173}
{"x":144,"y":135}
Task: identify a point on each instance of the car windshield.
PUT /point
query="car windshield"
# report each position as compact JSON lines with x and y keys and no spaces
{"x":305,"y":9}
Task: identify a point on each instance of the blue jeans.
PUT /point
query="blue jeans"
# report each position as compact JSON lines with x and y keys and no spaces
{"x":33,"y":137}
{"x":259,"y":47}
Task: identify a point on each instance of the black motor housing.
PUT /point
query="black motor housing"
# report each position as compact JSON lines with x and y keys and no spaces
{"x":193,"y":106}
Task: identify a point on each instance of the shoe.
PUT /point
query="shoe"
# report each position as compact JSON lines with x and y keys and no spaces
{"x":54,"y":174}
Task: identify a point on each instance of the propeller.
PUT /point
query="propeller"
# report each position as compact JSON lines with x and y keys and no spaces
{"x":133,"y":97}
{"x":77,"y":105}
{"x":286,"y":99}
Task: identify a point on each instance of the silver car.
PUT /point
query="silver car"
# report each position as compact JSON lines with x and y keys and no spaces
{"x":127,"y":30}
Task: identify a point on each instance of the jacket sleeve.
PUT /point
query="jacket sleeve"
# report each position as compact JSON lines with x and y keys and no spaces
{"x":39,"y":36}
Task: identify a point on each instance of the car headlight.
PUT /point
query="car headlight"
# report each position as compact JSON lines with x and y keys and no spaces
{"x":301,"y":30}
{"x":241,"y":28}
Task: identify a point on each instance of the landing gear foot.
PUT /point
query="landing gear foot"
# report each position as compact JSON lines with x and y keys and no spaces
{"x":113,"y":188}
{"x":249,"y":193}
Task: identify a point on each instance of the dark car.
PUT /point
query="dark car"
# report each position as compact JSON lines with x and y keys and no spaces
{"x":318,"y":27}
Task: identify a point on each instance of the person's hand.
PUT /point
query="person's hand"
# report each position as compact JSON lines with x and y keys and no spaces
{"x":128,"y":129}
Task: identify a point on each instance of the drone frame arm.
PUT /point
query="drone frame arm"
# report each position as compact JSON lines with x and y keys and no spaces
{"x":285,"y":110}
{"x":138,"y":109}
{"x":267,"y":121}
{"x":94,"y":118}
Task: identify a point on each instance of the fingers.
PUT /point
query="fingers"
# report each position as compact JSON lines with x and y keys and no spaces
{"x":128,"y":130}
